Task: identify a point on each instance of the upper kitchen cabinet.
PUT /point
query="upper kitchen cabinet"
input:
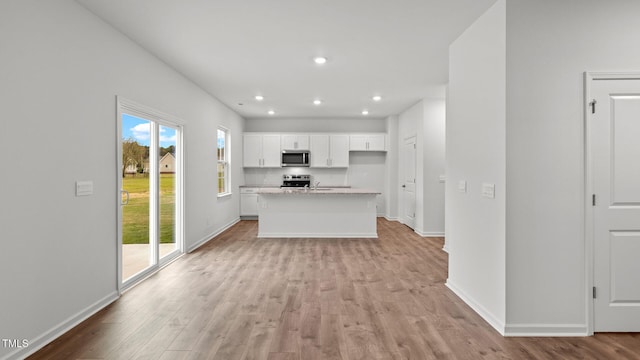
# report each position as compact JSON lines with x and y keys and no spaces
{"x":261,"y":150}
{"x":329,"y":151}
{"x":368,"y":142}
{"x":295,"y":142}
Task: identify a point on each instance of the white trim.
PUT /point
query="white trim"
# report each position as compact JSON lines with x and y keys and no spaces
{"x":546,"y":330}
{"x":391,"y":218}
{"x":210,"y":237}
{"x":445,"y":248}
{"x":589,"y":77}
{"x":429,"y":233}
{"x":612,"y":75}
{"x":498,"y":325}
{"x":42,"y":340}
{"x":319,"y":236}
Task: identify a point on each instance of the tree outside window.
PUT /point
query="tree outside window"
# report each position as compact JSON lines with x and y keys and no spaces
{"x":223,"y":162}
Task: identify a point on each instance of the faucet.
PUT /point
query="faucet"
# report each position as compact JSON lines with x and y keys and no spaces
{"x":306,"y":187}
{"x":315,"y":185}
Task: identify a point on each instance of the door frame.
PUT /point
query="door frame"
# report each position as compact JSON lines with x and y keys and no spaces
{"x":589,"y":78}
{"x":124,"y":105}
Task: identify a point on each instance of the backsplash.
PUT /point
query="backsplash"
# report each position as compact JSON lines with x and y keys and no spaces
{"x":327,"y":177}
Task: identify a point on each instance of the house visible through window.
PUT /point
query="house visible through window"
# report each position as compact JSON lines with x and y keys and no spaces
{"x":223,"y":162}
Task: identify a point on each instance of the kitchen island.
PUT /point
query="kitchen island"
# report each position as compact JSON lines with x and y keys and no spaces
{"x":321,"y":213}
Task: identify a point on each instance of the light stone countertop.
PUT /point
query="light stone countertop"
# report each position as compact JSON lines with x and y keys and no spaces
{"x":320,"y":191}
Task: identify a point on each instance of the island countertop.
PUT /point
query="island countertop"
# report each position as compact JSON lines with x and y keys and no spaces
{"x":319,"y":191}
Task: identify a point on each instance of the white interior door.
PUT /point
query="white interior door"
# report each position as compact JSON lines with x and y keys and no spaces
{"x":409,"y":182}
{"x":615,"y":153}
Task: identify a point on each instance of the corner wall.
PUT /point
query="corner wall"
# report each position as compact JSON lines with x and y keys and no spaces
{"x":61,"y":69}
{"x":475,"y":153}
{"x":426,"y":121}
{"x":433,"y":135}
{"x":549,"y":46}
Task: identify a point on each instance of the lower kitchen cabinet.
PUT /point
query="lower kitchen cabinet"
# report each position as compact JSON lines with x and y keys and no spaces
{"x":249,"y":201}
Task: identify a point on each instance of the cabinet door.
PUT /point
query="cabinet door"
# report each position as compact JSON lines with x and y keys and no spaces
{"x":319,"y":150}
{"x":339,"y":150}
{"x":252,"y":150}
{"x":271,"y":152}
{"x":289,"y":142}
{"x":376,"y":143}
{"x":302,"y":142}
{"x":358,"y":142}
{"x":295,"y":142}
{"x":249,"y":204}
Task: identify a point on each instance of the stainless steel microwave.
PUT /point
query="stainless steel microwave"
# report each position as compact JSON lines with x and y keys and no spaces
{"x":292,"y":158}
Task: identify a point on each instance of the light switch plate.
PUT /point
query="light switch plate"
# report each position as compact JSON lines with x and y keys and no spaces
{"x":442,"y":178}
{"x":84,"y":188}
{"x":489,"y":190}
{"x":462,"y":186}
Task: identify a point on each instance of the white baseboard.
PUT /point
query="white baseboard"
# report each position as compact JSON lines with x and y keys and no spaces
{"x":429,"y":233}
{"x":318,"y":236}
{"x":545,"y":330}
{"x":42,"y":340}
{"x":445,"y":248}
{"x":484,"y":313}
{"x":206,"y":239}
{"x":391,"y":218}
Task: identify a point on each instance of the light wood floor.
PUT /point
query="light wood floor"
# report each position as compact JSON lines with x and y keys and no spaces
{"x":239,"y":297}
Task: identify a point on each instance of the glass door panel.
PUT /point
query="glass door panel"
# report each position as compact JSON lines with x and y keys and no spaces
{"x":136,"y":209}
{"x":167,"y":199}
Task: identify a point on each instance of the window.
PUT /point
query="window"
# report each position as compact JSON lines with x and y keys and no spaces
{"x":223,"y":162}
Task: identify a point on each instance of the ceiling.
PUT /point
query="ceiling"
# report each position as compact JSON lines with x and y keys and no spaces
{"x":236,"y":49}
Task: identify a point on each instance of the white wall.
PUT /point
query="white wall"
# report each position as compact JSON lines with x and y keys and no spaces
{"x":425,"y":121}
{"x":549,"y":46}
{"x":392,"y":183}
{"x":475,"y":144}
{"x":61,"y":69}
{"x":433,"y":136}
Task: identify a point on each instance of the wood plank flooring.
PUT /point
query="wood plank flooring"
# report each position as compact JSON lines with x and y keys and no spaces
{"x":239,"y":297}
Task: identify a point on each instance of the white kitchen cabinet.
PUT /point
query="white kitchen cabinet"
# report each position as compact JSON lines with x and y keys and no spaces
{"x":329,"y":151}
{"x":339,"y":150}
{"x":367,"y":142}
{"x":248,"y":202}
{"x":261,"y":150}
{"x":295,"y":142}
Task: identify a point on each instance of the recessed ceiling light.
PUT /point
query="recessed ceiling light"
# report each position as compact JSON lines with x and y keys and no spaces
{"x":317,"y":102}
{"x":271,"y":112}
{"x":259,"y":97}
{"x":365,"y":112}
{"x":320,"y":60}
{"x":377,"y":98}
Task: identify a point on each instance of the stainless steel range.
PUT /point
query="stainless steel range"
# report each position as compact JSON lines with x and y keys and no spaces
{"x":296,"y":181}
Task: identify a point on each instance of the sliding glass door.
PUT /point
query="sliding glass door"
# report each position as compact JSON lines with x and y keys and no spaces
{"x":150,"y":184}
